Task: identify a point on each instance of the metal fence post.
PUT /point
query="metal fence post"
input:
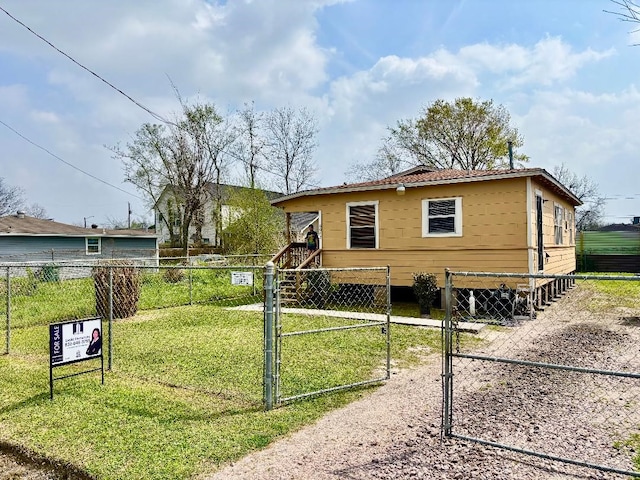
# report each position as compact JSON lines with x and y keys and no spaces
{"x":447,"y":359}
{"x":277,"y":345}
{"x":110,"y":317}
{"x":190,"y":283}
{"x":268,"y":336}
{"x":8,"y":346}
{"x":388,"y":326}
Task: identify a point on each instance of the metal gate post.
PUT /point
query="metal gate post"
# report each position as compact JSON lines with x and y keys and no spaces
{"x":110,"y":317}
{"x":447,"y":359}
{"x":8,"y":346}
{"x":277,"y":345}
{"x":268,"y":336}
{"x":388,"y":325}
{"x":190,"y":283}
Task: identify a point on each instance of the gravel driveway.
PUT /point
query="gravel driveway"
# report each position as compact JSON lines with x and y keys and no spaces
{"x":394,"y":433}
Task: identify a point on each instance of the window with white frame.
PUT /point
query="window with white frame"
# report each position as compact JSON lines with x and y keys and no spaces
{"x":571,"y":226}
{"x":94,"y":245}
{"x":362,"y":225}
{"x":442,"y":217}
{"x":558,"y":223}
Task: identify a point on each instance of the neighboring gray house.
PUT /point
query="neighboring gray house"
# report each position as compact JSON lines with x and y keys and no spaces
{"x":29,"y":239}
{"x":202,"y":229}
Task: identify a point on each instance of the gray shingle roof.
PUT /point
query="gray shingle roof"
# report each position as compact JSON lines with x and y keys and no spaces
{"x":25,"y":225}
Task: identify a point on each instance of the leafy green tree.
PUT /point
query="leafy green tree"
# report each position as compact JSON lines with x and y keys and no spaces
{"x":463,"y":134}
{"x":254,"y":225}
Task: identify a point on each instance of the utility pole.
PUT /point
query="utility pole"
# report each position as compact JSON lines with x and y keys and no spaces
{"x":129,"y":216}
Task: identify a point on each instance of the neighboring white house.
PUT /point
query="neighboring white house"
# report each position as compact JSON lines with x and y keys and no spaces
{"x":203,"y":229}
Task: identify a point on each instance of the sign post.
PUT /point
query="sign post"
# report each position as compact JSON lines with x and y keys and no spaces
{"x":74,"y":341}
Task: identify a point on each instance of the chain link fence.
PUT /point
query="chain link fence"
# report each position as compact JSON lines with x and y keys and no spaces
{"x":196,"y":344}
{"x":558,"y":375}
{"x":319,"y":312}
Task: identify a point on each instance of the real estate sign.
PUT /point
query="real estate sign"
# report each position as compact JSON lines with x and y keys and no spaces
{"x":241,"y":278}
{"x":75,"y":340}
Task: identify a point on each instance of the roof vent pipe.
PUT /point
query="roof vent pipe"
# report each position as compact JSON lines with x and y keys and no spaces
{"x":21,"y":213}
{"x":510,"y":144}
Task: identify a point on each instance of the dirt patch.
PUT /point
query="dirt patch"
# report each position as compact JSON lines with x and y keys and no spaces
{"x":18,"y":463}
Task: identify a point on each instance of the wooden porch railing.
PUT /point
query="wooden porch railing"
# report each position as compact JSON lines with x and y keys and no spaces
{"x":295,"y":255}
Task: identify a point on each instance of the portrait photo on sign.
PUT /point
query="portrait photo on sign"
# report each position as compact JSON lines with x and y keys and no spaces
{"x":95,"y":343}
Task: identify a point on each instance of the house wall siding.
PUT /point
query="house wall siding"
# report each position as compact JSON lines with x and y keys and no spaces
{"x":494,"y":230}
{"x":23,"y":248}
{"x":559,"y":259}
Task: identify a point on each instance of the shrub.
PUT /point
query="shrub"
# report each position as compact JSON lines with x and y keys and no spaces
{"x":425,"y":288}
{"x":126,"y":289}
{"x":49,"y":273}
{"x":173,"y":275}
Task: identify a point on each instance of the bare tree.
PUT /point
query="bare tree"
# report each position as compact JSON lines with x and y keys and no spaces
{"x":291,"y":140}
{"x":180,"y":158}
{"x":37,"y":211}
{"x":591,"y":213}
{"x":251,"y":142}
{"x":11,"y":198}
{"x":388,"y":161}
{"x":630,"y":10}
{"x":138,"y":223}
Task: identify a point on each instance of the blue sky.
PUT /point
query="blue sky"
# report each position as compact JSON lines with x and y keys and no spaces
{"x":565,"y":70}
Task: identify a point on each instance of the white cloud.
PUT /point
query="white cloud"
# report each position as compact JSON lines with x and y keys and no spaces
{"x":267,"y":51}
{"x":549,"y":61}
{"x":45,"y":117}
{"x":592,"y":134}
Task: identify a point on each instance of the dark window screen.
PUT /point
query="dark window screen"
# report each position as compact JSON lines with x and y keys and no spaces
{"x":442,"y":216}
{"x":362,"y":226}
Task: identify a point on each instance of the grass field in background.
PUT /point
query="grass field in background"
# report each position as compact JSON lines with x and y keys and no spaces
{"x":184,"y":395}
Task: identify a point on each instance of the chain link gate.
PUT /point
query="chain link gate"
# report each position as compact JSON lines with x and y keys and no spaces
{"x":317,"y":312}
{"x":557,"y":375}
{"x":155,"y":319}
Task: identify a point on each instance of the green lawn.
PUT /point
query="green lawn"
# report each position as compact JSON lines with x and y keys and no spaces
{"x":617,"y":293}
{"x":35,"y":302}
{"x":184,"y":395}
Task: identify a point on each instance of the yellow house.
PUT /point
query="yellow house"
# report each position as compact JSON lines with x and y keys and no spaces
{"x":421,"y":220}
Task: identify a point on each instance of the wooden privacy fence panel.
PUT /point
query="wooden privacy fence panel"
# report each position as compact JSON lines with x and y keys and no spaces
{"x":608,"y":251}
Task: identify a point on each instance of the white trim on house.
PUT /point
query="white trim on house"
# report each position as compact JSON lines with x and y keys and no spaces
{"x":427,"y":218}
{"x":91,"y":248}
{"x":558,"y":224}
{"x":376,"y":227}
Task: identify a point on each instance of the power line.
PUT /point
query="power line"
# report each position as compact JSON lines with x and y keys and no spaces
{"x":65,"y":162}
{"x":134,"y":101}
{"x":623,"y":196}
{"x":149,"y":111}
